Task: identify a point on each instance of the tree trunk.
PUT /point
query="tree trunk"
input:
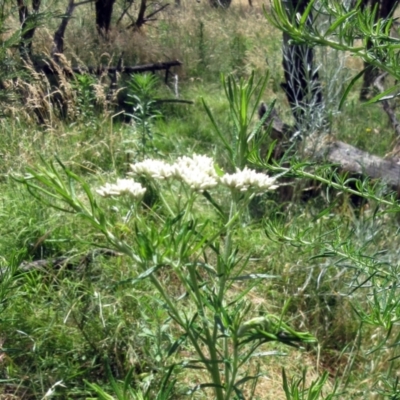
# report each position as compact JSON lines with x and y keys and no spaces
{"x":302,"y":86}
{"x":220,"y":3}
{"x":58,"y":41}
{"x":141,"y":15}
{"x":104,"y":10}
{"x":27,"y":21}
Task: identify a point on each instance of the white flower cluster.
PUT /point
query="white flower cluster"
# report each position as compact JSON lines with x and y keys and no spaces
{"x":123,"y":186}
{"x":155,"y":169}
{"x":197,"y":172}
{"x":248,"y":179}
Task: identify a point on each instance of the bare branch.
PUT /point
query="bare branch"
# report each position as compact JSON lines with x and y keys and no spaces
{"x":386,"y":105}
{"x":83,"y":2}
{"x":157,"y":11}
{"x":129,"y":70}
{"x":130,"y":2}
{"x":58,"y":41}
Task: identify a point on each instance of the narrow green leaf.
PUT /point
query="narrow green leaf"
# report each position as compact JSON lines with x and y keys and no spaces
{"x":246,"y":379}
{"x":306,"y":14}
{"x":239,"y":393}
{"x":217,"y":130}
{"x":349,"y":87}
{"x":286,"y":385}
{"x":381,"y":96}
{"x":175,"y":346}
{"x":339,"y":22}
{"x":146,"y":274}
{"x":261,"y":122}
{"x":99,"y":391}
{"x":128,"y":381}
{"x":114,"y":384}
{"x":221,"y":212}
{"x":203,"y":386}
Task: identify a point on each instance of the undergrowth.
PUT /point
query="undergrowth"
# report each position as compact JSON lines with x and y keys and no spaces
{"x":75,"y":322}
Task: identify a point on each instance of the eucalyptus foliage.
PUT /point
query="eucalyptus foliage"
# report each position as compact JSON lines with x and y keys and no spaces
{"x":347,"y":27}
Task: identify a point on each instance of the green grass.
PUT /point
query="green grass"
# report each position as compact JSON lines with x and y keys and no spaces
{"x":73,"y":321}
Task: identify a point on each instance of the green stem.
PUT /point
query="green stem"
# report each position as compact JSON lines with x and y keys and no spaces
{"x":235,"y":367}
{"x":211,"y":342}
{"x":189,"y":206}
{"x":173,"y":310}
{"x":223,"y":276}
{"x":165,"y":203}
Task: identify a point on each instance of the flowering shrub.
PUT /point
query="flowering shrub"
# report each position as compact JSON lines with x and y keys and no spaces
{"x":224,"y":334}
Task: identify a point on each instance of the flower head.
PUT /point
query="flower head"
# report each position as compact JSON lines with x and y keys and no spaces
{"x":248,"y":179}
{"x":197,"y":172}
{"x":155,"y":169}
{"x":123,"y":186}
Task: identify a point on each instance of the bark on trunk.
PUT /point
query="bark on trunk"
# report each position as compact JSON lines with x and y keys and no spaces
{"x":58,"y":41}
{"x":104,"y":10}
{"x":27,"y":21}
{"x":301,"y":86}
{"x":220,"y":3}
{"x":141,"y":16}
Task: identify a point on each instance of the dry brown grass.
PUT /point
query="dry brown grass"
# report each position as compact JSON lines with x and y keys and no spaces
{"x":173,"y":35}
{"x":206,"y":40}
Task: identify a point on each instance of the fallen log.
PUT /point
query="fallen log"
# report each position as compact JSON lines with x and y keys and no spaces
{"x":353,"y":160}
{"x":48,"y":69}
{"x":324,"y":148}
{"x":57,"y":263}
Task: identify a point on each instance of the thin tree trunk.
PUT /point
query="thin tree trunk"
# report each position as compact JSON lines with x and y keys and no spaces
{"x":141,"y":18}
{"x":301,"y":86}
{"x":58,"y":41}
{"x":104,"y":10}
{"x":220,"y":3}
{"x":26,"y":18}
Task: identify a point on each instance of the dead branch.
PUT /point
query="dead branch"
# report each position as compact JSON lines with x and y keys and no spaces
{"x":99,"y":70}
{"x":58,"y":41}
{"x":142,"y":19}
{"x":353,"y":160}
{"x":347,"y":157}
{"x":386,"y":105}
{"x":130,"y":2}
{"x":63,"y":261}
{"x":156,"y":12}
